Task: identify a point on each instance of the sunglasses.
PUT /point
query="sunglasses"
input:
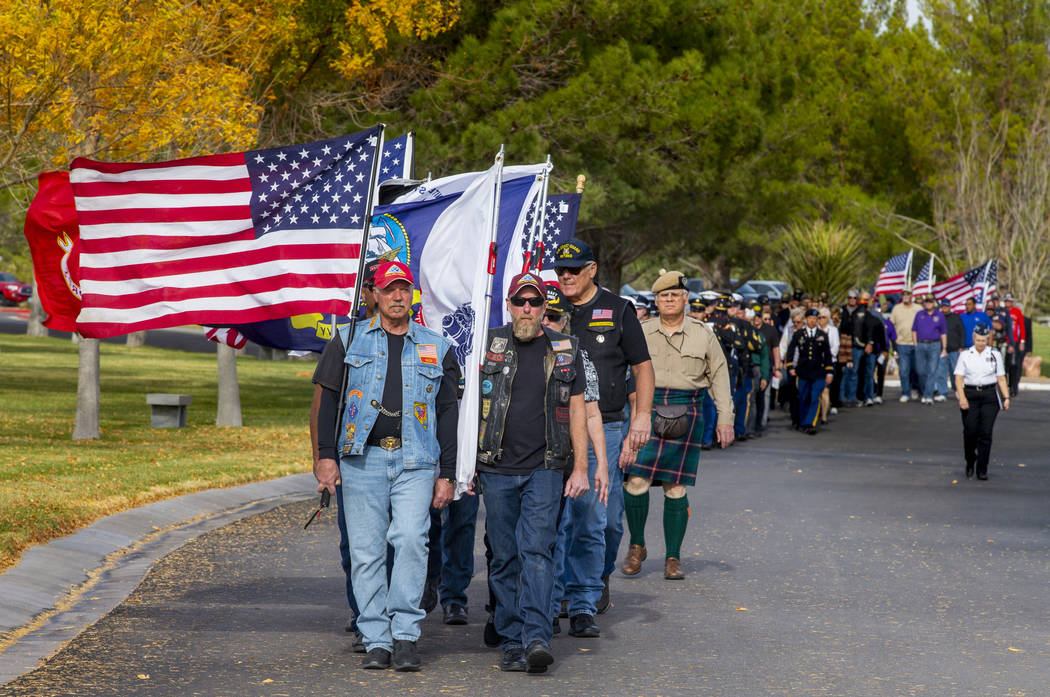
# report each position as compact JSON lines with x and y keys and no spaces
{"x":574,"y":270}
{"x":554,"y":316}
{"x":533,"y":301}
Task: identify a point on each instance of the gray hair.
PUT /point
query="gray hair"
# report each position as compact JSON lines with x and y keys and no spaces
{"x":798,"y":312}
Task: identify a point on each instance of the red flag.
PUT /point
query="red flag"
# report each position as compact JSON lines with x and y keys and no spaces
{"x":54,"y":242}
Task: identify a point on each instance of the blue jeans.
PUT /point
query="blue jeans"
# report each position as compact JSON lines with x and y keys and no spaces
{"x":946,"y":373}
{"x":615,"y":432}
{"x":384,"y":502}
{"x":848,"y":386}
{"x":742,"y":405}
{"x":866,"y":362}
{"x":344,"y":555}
{"x":928,"y":354}
{"x":904,"y":365}
{"x":710,"y":415}
{"x":457,"y":549}
{"x":579,"y":558}
{"x":520,"y":520}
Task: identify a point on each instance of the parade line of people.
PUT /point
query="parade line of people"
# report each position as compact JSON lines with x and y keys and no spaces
{"x":587,"y":399}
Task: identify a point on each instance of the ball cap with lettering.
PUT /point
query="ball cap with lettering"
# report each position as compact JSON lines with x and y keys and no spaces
{"x":669,"y":281}
{"x":526,"y":280}
{"x":556,"y":301}
{"x":370,"y":270}
{"x":573,"y":253}
{"x":393,"y":271}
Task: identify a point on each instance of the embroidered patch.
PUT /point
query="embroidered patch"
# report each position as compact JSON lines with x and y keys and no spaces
{"x":498,"y":345}
{"x":561,"y":345}
{"x":486,"y":386}
{"x":602,"y":314}
{"x":497,"y":357}
{"x":420,"y":410}
{"x":351,"y":411}
{"x":427,"y":353}
{"x":561,"y":414}
{"x":355,"y":393}
{"x":486,"y":405}
{"x":563,"y":359}
{"x":601,"y":324}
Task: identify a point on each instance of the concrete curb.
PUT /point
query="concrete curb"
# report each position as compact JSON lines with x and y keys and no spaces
{"x":61,"y":588}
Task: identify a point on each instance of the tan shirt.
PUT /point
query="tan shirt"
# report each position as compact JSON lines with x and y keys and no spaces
{"x":689,"y":359}
{"x":902,"y":318}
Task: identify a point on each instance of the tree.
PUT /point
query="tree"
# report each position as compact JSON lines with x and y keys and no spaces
{"x":821,"y":256}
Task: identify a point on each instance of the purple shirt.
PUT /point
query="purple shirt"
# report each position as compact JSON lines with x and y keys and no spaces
{"x":928,"y":327}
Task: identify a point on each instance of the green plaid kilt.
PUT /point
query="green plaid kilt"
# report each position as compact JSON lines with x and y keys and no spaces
{"x":673,"y":461}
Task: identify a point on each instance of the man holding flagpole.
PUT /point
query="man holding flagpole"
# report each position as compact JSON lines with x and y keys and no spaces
{"x":589,"y":538}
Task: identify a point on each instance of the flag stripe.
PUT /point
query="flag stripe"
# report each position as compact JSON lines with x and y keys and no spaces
{"x":85,"y":165}
{"x":156,"y":242}
{"x":131,"y":201}
{"x":138,"y":216}
{"x":87,"y":190}
{"x":189,"y":229}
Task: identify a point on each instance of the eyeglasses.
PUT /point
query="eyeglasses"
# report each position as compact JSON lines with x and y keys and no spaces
{"x":533,"y":301}
{"x":554,"y":316}
{"x":574,"y":270}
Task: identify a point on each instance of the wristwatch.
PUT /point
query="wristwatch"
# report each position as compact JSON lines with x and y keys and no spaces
{"x":450,"y":480}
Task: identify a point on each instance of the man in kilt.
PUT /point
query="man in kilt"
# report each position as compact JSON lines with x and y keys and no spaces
{"x":688,"y":362}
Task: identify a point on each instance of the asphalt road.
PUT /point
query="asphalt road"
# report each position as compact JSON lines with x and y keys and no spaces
{"x":859,"y":562}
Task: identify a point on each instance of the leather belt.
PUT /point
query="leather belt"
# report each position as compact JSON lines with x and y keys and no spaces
{"x":388,"y":443}
{"x":980,"y":387}
{"x":929,"y":341}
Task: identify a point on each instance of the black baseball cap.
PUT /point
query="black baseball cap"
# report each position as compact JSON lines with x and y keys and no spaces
{"x":812,"y":312}
{"x":573,"y":253}
{"x":555,"y":299}
{"x":981,"y":329}
{"x":370,"y":270}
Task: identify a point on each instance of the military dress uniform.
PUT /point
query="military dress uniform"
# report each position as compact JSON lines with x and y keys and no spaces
{"x":809,"y":354}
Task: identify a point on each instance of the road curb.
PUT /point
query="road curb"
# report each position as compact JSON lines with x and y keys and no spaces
{"x":60,"y":588}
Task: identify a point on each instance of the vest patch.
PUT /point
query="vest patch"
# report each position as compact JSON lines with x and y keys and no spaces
{"x":563,"y":359}
{"x":420,"y":411}
{"x":498,"y":345}
{"x":561,"y":345}
{"x":427,"y":353}
{"x":602,"y":314}
{"x":486,"y":386}
{"x":601,"y":324}
{"x":561,"y":414}
{"x":492,"y":356}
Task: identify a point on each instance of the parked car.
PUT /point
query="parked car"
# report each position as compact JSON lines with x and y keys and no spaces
{"x":13,"y":291}
{"x":695,"y":285}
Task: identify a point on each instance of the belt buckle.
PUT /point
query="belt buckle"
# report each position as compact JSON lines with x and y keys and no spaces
{"x":390,"y":443}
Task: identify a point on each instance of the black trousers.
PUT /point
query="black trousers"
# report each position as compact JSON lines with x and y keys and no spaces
{"x":978,"y":422}
{"x":1014,"y":369}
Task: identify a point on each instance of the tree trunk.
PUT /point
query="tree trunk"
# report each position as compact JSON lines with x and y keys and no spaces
{"x":229,"y":407}
{"x":85,"y":426}
{"x":136,"y":339}
{"x":35,"y":326}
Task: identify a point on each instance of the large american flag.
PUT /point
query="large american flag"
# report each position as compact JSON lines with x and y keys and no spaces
{"x":223,"y":239}
{"x":893,"y":276}
{"x":924,"y":280}
{"x":976,"y":283}
{"x":559,"y":224}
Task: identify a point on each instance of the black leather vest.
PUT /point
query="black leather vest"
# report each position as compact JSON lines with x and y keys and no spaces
{"x":497,"y":377}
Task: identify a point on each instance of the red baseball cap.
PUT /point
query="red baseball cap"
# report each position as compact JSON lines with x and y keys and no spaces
{"x":393,"y":271}
{"x":526,"y":280}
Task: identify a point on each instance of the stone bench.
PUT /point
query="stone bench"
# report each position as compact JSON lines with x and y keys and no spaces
{"x":167,"y":410}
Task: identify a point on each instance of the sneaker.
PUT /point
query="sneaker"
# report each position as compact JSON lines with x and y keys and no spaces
{"x":537,"y":657}
{"x":904,"y":399}
{"x":869,"y":402}
{"x":878,"y":400}
{"x":513,"y":660}
{"x":834,"y":411}
{"x":604,"y":604}
{"x":914,"y":394}
{"x":406,"y":657}
{"x":939,"y":398}
{"x":583,"y":626}
{"x":377,"y":659}
{"x":455,"y":614}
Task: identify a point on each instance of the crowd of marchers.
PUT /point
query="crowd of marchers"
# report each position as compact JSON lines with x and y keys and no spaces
{"x":586,"y":400}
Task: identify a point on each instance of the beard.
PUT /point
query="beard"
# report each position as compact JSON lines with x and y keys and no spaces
{"x":526,"y":328}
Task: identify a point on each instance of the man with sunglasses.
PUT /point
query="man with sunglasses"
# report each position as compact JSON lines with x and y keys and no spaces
{"x":532,"y":429}
{"x":589,"y":534}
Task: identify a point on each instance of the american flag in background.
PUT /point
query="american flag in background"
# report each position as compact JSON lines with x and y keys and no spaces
{"x":558,"y":226}
{"x":398,"y":158}
{"x":976,"y":283}
{"x":894,"y":274}
{"x":924,"y":280}
{"x":223,"y":239}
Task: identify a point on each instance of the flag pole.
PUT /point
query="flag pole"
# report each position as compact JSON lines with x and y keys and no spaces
{"x":539,"y":218}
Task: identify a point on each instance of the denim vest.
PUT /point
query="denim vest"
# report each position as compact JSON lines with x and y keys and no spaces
{"x":497,"y":376}
{"x":421,"y":373}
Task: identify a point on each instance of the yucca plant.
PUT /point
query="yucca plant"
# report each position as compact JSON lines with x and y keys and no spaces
{"x":821,"y":256}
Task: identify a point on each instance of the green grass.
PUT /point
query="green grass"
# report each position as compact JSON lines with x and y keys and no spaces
{"x":51,"y":485}
{"x":1042,"y":346}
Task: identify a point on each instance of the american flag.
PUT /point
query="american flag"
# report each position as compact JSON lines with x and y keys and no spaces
{"x":894,"y":274}
{"x":226,"y":335}
{"x":924,"y":281}
{"x":559,"y":224}
{"x":223,"y":239}
{"x":976,"y":283}
{"x":398,"y":158}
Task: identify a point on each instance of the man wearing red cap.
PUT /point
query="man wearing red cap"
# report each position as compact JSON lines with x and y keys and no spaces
{"x":532,"y":429}
{"x":396,"y":426}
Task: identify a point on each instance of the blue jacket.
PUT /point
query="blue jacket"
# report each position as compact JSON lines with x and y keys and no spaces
{"x":421,"y":370}
{"x":970,"y":320}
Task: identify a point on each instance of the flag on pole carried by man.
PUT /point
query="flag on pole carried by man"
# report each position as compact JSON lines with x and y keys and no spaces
{"x":893,"y":276}
{"x":559,"y":224}
{"x":976,"y":283}
{"x":924,"y":280}
{"x":223,"y":239}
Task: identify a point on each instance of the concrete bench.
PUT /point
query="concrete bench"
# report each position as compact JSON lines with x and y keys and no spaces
{"x":167,"y":410}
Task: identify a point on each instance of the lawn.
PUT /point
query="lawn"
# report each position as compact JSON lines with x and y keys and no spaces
{"x":51,"y":485}
{"x":1042,"y":346}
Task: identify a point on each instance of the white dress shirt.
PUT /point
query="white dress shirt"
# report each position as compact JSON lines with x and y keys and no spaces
{"x":980,"y":368}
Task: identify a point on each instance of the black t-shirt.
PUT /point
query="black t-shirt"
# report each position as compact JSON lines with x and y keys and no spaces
{"x":769,"y":333}
{"x":524,"y":432}
{"x":388,"y":425}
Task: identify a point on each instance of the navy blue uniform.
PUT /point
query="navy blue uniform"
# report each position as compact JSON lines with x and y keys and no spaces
{"x":810,"y":357}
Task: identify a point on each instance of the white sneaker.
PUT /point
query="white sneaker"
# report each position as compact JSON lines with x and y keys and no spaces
{"x":927,"y":400}
{"x":878,"y":400}
{"x":939,"y":398}
{"x":834,"y":411}
{"x":869,"y":402}
{"x":904,"y":398}
{"x":914,"y":394}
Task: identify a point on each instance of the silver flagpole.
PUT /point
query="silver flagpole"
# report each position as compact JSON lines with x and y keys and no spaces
{"x":539,"y":218}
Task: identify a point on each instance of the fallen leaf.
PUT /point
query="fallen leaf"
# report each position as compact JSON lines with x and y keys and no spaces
{"x":799,"y":471}
{"x":267,"y":680}
{"x":741,"y":609}
{"x":1020,"y":464}
{"x":143,"y":676}
{"x":1010,"y":648}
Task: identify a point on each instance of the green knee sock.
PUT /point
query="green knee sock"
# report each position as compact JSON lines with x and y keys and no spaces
{"x":636,"y":510}
{"x":676,"y":516}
